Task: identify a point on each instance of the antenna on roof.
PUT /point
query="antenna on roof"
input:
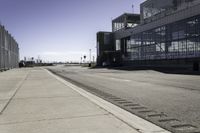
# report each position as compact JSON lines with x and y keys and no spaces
{"x":132,"y":8}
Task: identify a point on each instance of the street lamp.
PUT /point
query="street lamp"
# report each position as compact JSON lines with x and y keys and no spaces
{"x":90,"y":54}
{"x":84,"y":58}
{"x":93,"y":59}
{"x":81,"y":60}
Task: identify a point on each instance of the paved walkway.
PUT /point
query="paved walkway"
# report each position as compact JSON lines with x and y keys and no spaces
{"x":33,"y":101}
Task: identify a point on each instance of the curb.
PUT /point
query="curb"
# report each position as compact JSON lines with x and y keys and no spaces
{"x":132,"y":120}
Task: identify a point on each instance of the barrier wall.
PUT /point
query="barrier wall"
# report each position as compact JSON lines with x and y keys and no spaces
{"x":9,"y":50}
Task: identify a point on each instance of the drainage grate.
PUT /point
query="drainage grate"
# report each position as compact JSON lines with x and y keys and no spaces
{"x":131,"y":105}
{"x":119,"y":100}
{"x":158,"y":115}
{"x":138,"y":108}
{"x":114,"y":98}
{"x":183,"y":127}
{"x":169,"y":120}
{"x":146,"y":111}
{"x":124,"y":102}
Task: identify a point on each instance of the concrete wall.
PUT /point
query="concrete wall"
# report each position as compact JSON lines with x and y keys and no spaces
{"x":9,"y":51}
{"x":170,"y":64}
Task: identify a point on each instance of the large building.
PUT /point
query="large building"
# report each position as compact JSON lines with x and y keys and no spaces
{"x":9,"y":50}
{"x":166,"y":33}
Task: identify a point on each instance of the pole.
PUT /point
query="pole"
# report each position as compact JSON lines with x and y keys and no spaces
{"x":90,"y":54}
{"x":132,"y":8}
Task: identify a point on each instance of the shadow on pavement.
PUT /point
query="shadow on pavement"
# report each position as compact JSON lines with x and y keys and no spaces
{"x":182,"y":71}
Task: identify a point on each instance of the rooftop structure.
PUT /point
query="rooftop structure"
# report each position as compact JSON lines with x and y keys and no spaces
{"x":125,"y":21}
{"x":151,"y":10}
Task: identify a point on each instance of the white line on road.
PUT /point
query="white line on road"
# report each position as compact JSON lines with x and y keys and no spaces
{"x":116,"y":79}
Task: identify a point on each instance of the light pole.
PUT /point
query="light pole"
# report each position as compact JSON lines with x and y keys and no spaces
{"x":84,"y":58}
{"x":90,"y":54}
{"x":132,"y":8}
{"x":81,"y":60}
{"x":93,"y":59}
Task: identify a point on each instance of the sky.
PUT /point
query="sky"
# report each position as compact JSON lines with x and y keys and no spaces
{"x":60,"y":30}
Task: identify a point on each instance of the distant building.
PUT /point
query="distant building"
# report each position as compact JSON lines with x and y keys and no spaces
{"x":166,"y":33}
{"x":9,"y":50}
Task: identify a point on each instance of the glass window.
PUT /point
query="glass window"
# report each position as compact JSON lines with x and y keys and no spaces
{"x":178,"y":40}
{"x":175,"y":35}
{"x":158,"y":47}
{"x":191,"y":44}
{"x":178,"y":31}
{"x":174,"y":47}
{"x":107,"y":37}
{"x":162,"y":47}
{"x":181,"y":34}
{"x":118,"y":45}
{"x":128,"y":46}
{"x":198,"y":45}
{"x":191,"y":27}
{"x":182,"y":46}
{"x":152,"y":8}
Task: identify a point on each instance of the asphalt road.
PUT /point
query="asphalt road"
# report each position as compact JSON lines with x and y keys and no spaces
{"x":177,"y":96}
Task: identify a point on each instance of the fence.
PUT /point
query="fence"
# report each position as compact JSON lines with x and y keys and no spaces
{"x":9,"y":51}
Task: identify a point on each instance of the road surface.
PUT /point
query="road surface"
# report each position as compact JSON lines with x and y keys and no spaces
{"x":177,"y":97}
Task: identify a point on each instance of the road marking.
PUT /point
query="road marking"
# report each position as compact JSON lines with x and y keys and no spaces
{"x":132,"y":120}
{"x":116,"y":79}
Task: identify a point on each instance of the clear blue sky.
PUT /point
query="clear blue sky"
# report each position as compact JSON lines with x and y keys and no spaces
{"x":62,"y":30}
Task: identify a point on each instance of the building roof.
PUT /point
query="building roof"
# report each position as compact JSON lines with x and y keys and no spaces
{"x":127,"y":16}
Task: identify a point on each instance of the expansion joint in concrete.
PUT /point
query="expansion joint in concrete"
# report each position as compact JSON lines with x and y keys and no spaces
{"x":19,"y":85}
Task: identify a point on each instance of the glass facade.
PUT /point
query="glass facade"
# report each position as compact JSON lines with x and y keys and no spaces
{"x":154,"y":7}
{"x":176,"y":40}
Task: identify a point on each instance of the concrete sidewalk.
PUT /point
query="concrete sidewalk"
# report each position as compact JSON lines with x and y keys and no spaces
{"x":33,"y":101}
